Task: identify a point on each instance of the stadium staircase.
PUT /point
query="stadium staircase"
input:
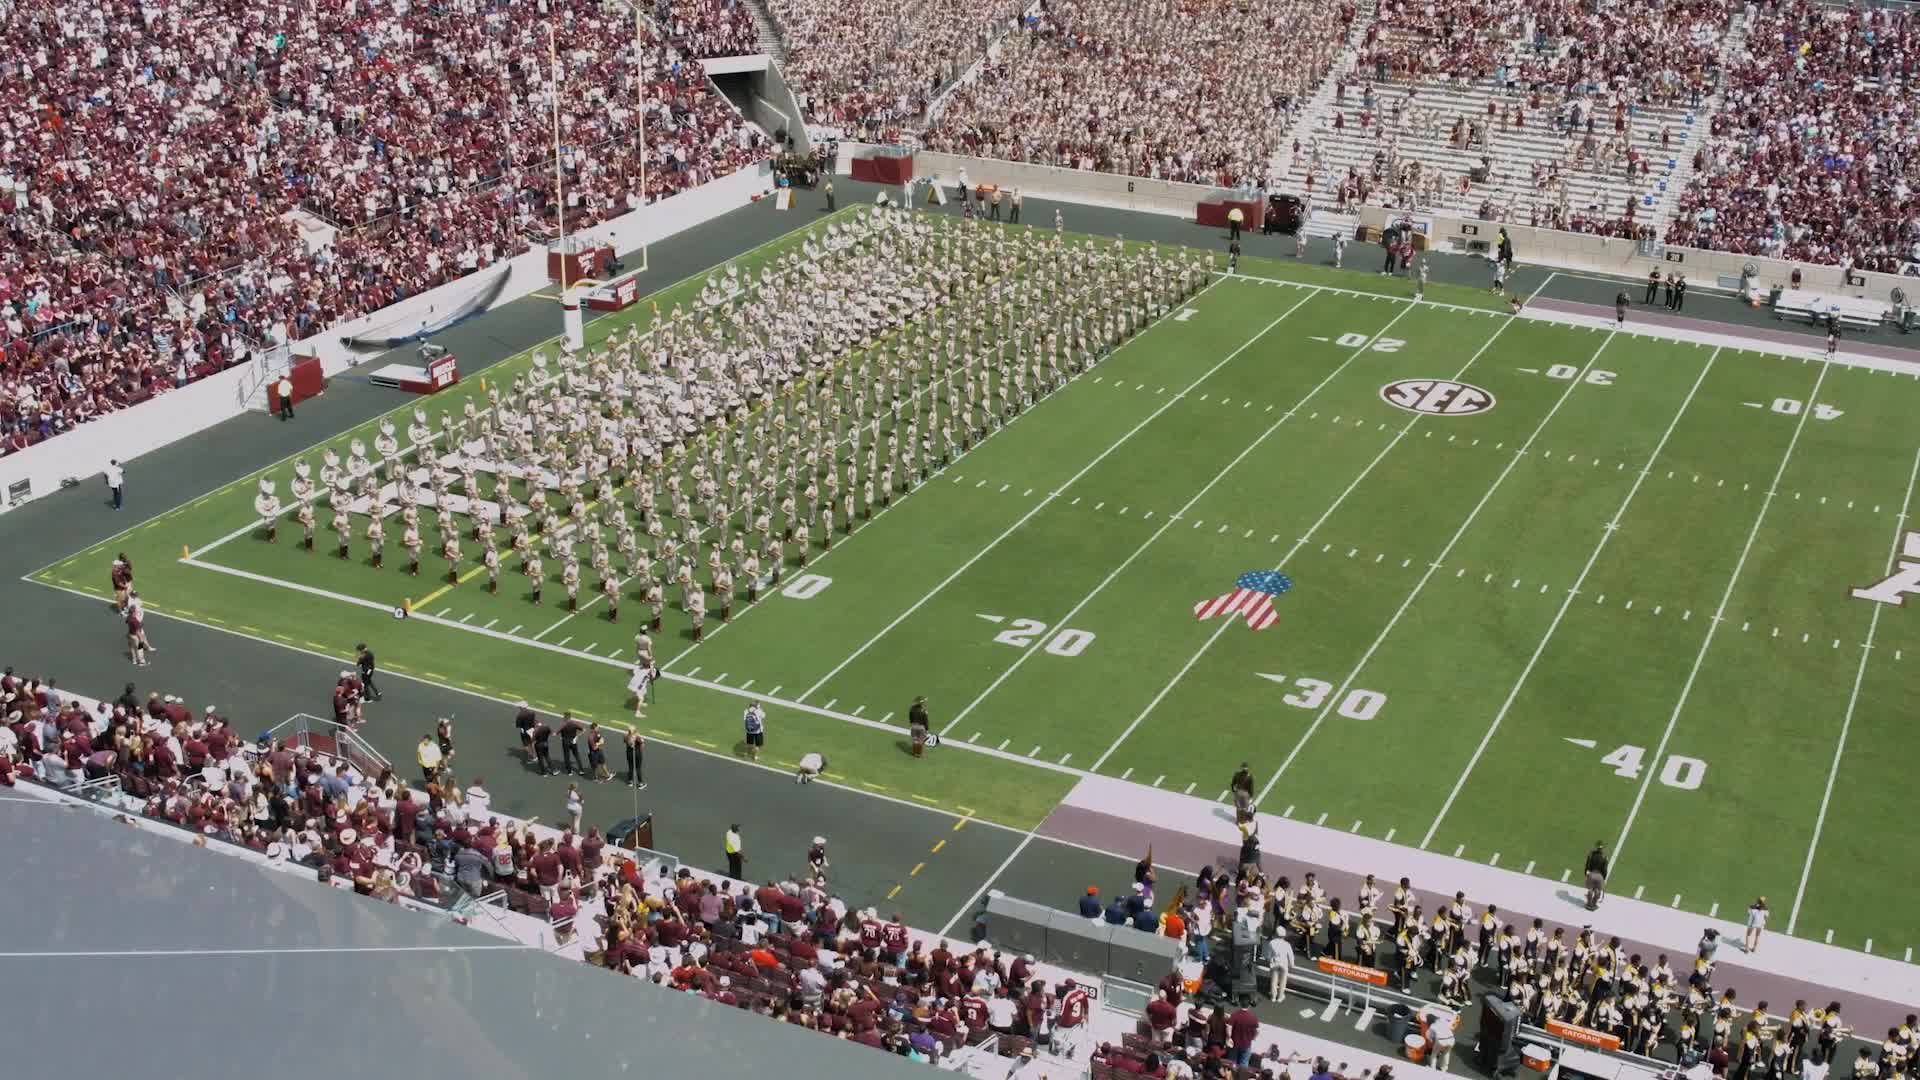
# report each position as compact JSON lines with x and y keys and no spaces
{"x":1510,"y":187}
{"x":1732,"y":46}
{"x":1314,"y":115}
{"x":767,"y":32}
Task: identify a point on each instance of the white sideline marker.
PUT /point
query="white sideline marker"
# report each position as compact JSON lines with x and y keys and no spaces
{"x":1714,"y":911}
{"x":1495,"y":861}
{"x":1459,"y":850}
{"x":1035,"y":752}
{"x":1128,"y":773}
{"x":1676,"y":899}
{"x":515,"y":630}
{"x":1529,"y":868}
{"x":1356,"y":828}
{"x":1829,"y":937}
{"x":490,"y":623}
{"x":1389,"y":836}
{"x":1003,"y":744}
{"x":1288,"y":812}
{"x":1322,"y":819}
{"x":1564,"y":875}
{"x":1191,"y":786}
{"x":1869,"y":947}
{"x":1157,"y":779}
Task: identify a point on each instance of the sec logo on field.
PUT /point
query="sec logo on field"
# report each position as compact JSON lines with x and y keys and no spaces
{"x":1437,"y":397}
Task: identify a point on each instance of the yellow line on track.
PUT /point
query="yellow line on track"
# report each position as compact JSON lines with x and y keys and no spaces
{"x":895,"y":891}
{"x":917,"y":867}
{"x":938,"y":846}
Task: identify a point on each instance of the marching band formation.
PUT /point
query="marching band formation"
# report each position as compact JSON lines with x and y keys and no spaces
{"x":723,"y":444}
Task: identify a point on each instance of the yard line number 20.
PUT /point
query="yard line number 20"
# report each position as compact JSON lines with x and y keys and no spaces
{"x":1066,"y":641}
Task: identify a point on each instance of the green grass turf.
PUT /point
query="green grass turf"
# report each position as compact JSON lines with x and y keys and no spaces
{"x":1433,"y":560}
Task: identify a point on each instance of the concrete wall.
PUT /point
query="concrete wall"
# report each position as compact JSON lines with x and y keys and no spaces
{"x":1052,"y":182}
{"x":177,"y":414}
{"x":1578,"y":251}
{"x":762,"y":96}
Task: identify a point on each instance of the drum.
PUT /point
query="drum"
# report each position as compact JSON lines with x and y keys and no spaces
{"x":1416,"y":1048}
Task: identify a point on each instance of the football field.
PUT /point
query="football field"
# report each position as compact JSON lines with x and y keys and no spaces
{"x":1548,"y":584}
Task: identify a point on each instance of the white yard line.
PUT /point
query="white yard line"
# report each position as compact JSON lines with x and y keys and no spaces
{"x":1432,"y":569}
{"x":933,"y":473}
{"x":1853,"y":699}
{"x":1303,"y":540}
{"x":1312,"y":292}
{"x":1029,"y":650}
{"x":973,"y":898}
{"x":1713,"y":626}
{"x":484,"y":696}
{"x":1606,"y":534}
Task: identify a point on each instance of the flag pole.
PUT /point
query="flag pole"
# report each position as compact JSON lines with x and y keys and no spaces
{"x":559,"y":180}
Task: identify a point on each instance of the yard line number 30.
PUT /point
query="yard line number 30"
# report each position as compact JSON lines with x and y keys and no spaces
{"x":1312,"y":693}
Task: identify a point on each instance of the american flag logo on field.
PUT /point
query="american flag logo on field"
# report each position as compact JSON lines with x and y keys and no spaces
{"x":1253,"y":594}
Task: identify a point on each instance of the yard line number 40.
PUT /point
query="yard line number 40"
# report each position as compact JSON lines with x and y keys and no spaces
{"x":1677,"y":771}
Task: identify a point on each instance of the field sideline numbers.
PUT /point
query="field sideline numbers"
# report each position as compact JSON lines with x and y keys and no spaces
{"x":1787,"y":406}
{"x":806,"y":586}
{"x":1678,"y":771}
{"x":1567,"y":372}
{"x":1313,"y":693}
{"x":1184,"y":314}
{"x":1355,"y":341}
{"x":1024,"y":632}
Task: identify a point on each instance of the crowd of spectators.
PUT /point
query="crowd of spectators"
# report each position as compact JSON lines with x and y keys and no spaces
{"x":1656,"y":53}
{"x":152,"y":156}
{"x":1814,"y":154}
{"x":871,"y":68}
{"x":790,"y":949}
{"x":1200,"y":91}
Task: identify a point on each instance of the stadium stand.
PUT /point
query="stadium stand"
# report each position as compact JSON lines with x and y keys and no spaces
{"x":792,"y":949}
{"x":169,"y":204}
{"x":1195,"y":92}
{"x":1812,"y":158}
{"x":1550,"y":116}
{"x":873,"y":68}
